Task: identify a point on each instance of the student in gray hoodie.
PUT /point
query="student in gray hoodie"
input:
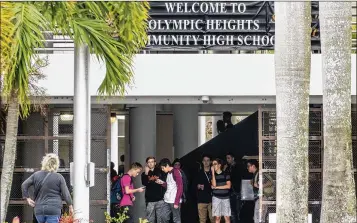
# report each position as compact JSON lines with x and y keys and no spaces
{"x":49,"y":190}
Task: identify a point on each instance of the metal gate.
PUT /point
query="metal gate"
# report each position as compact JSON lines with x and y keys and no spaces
{"x":39,"y":135}
{"x":267,"y":155}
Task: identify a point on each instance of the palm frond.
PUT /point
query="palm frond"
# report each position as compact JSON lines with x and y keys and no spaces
{"x":106,"y":48}
{"x":6,"y":39}
{"x":58,"y":14}
{"x":130,"y":22}
{"x":95,"y":24}
{"x":27,"y":34}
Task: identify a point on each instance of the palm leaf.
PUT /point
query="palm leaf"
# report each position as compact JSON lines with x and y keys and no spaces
{"x":28,"y":24}
{"x":95,"y":24}
{"x":95,"y":33}
{"x":6,"y":39}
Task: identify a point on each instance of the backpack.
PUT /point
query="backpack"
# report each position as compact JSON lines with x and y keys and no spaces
{"x":267,"y":191}
{"x":116,"y":192}
{"x":185,"y":185}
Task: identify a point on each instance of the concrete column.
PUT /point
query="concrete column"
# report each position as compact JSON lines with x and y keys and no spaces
{"x":142,"y":144}
{"x":201,"y":130}
{"x":185,"y":129}
{"x":214,"y":125}
{"x":81,"y":134}
{"x":114,"y":157}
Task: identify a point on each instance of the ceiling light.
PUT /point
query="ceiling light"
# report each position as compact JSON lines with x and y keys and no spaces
{"x":66,"y":117}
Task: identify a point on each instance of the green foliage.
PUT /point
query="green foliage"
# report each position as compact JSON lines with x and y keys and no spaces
{"x":7,"y":29}
{"x":26,"y":33}
{"x":120,"y":219}
{"x":113,"y":31}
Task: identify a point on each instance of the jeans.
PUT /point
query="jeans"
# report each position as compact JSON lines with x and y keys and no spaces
{"x":47,"y":218}
{"x":235,"y":207}
{"x":157,"y":212}
{"x":176,"y":213}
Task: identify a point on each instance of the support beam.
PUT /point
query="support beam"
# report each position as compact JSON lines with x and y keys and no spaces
{"x":81,"y":133}
{"x":114,"y":157}
{"x":185,"y":129}
{"x":142,"y":129}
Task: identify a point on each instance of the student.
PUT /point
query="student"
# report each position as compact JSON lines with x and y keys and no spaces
{"x":174,"y":189}
{"x":113,"y":172}
{"x":221,"y":185}
{"x":128,"y":190}
{"x":268,"y":189}
{"x":234,"y":170}
{"x":227,"y":119}
{"x":50,"y":187}
{"x":154,"y":193}
{"x":204,"y":190}
{"x":121,"y":167}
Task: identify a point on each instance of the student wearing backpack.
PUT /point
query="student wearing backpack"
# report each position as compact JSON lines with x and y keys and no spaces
{"x":177,"y":165}
{"x":174,"y":189}
{"x":127,"y":189}
{"x":154,"y":193}
{"x":268,"y":189}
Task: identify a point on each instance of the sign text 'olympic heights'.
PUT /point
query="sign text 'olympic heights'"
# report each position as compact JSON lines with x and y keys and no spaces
{"x":209,"y":31}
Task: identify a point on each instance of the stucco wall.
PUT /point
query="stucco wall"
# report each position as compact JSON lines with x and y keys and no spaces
{"x":186,"y":75}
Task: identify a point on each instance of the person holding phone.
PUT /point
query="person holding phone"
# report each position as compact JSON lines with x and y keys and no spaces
{"x":204,"y":191}
{"x":128,"y":190}
{"x":154,"y":193}
{"x":221,"y":185}
{"x":174,"y":189}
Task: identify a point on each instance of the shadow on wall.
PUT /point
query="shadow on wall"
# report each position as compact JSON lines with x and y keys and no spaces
{"x":241,"y":140}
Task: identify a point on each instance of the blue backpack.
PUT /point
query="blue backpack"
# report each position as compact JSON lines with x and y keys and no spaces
{"x":116,"y":192}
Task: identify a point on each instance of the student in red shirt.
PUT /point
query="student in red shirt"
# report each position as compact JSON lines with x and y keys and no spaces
{"x":128,"y":190}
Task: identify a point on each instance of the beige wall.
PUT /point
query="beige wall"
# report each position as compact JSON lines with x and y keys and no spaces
{"x":164,"y":137}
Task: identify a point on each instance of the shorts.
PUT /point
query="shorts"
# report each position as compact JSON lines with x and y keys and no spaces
{"x":221,"y":207}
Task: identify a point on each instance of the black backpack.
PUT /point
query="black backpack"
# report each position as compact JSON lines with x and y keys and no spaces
{"x":185,"y":185}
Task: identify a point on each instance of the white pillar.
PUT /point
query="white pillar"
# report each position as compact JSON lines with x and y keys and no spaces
{"x":201,"y":130}
{"x":142,"y":127}
{"x":114,"y":142}
{"x":81,"y":134}
{"x":185,"y":129}
{"x":214,"y":125}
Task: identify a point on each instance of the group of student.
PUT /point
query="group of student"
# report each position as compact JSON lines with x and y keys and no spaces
{"x":163,"y":186}
{"x":217,"y":185}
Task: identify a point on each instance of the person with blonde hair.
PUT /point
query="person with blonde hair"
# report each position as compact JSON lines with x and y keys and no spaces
{"x":49,"y":189}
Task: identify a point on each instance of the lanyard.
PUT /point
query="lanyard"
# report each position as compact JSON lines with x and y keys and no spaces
{"x":207,"y":176}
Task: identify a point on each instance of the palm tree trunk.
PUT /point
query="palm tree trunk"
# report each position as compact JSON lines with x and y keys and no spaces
{"x":9,"y":155}
{"x":292,"y":77}
{"x":338,"y":196}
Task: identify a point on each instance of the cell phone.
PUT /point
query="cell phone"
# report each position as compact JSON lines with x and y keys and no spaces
{"x":143,"y":187}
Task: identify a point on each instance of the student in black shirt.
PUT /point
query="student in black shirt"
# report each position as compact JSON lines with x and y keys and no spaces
{"x":154,"y":193}
{"x":204,"y":190}
{"x":234,"y":169}
{"x":221,"y":185}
